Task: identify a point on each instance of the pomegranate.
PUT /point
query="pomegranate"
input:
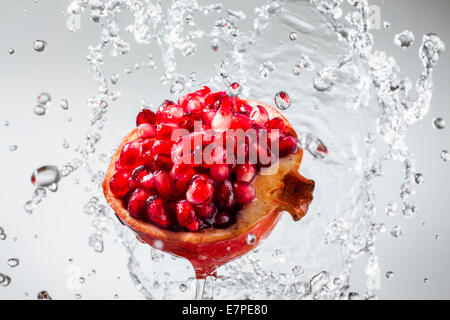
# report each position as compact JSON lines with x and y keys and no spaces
{"x":202,"y":192}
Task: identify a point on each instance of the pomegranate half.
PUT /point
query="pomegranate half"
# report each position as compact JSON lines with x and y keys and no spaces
{"x":207,"y":249}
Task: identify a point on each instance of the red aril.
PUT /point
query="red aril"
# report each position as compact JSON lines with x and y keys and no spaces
{"x":129,"y":157}
{"x":186,"y":216}
{"x":288,"y":145}
{"x":157,"y":213}
{"x":224,"y":195}
{"x":219,"y":172}
{"x":119,"y":183}
{"x":200,"y":191}
{"x":222,"y":119}
{"x":245,"y":172}
{"x":145,"y":116}
{"x":137,"y":203}
{"x":206,"y":211}
{"x":146,"y":130}
{"x":163,"y":183}
{"x":244,"y":192}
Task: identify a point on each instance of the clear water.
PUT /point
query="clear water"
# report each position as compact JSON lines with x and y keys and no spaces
{"x":350,"y":104}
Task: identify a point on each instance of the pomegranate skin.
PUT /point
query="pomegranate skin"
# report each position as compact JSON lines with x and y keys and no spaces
{"x":208,"y":249}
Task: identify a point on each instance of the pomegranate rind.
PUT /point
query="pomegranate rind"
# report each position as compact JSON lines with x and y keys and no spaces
{"x":207,"y":249}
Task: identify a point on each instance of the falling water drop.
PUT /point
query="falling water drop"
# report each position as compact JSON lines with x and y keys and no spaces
{"x":183,"y":287}
{"x":64,"y":104}
{"x":251,"y":239}
{"x":404,"y":39}
{"x":266,"y":69}
{"x":114,"y":78}
{"x":445,"y":156}
{"x":12,"y":147}
{"x":282,"y":100}
{"x":297,"y":69}
{"x":13,"y":262}
{"x":4,"y":280}
{"x":40,"y":110}
{"x":439,"y":123}
{"x":177,"y":87}
{"x":45,"y":176}
{"x":293,"y":36}
{"x":397,"y":232}
{"x":234,"y":89}
{"x":39,"y":45}
{"x":43,"y":295}
{"x":44,"y":98}
{"x":391,"y":209}
{"x":419,"y":178}
{"x":426,"y":280}
{"x":389,"y":275}
{"x":11,"y":51}
{"x":53,"y":187}
{"x":214,"y":44}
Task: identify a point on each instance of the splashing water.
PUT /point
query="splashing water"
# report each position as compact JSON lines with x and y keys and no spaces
{"x":338,"y":86}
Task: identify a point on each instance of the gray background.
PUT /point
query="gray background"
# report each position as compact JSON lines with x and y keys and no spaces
{"x":45,"y":241}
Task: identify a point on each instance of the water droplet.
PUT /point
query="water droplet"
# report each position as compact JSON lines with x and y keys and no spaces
{"x":445,"y":156}
{"x":116,"y":296}
{"x":44,"y":98}
{"x":177,"y":87}
{"x":44,"y":295}
{"x":65,"y":144}
{"x":114,"y":78}
{"x":11,"y":51}
{"x":82,"y":280}
{"x":13,"y":262}
{"x":314,"y":145}
{"x":325,"y":79}
{"x":64,"y":104}
{"x":439,"y":123}
{"x":386,"y":24}
{"x":354,"y":296}
{"x":389,"y":275}
{"x":96,"y":242}
{"x":419,"y":178}
{"x":183,"y":287}
{"x":251,"y":239}
{"x":391,"y":209}
{"x":436,"y":237}
{"x":282,"y":100}
{"x":404,"y":39}
{"x":39,"y":45}
{"x":40,"y":110}
{"x":45,"y":176}
{"x":297,"y":69}
{"x":431,"y":50}
{"x":397,"y":232}
{"x":234,"y":89}
{"x":266,"y":69}
{"x":53,"y":187}
{"x":426,"y":280}
{"x":6,"y":123}
{"x":369,"y":138}
{"x":297,"y":271}
{"x":12,"y":147}
{"x":2,"y":236}
{"x":77,"y":296}
{"x":4,"y":280}
{"x":293,"y":36}
{"x":214,"y":44}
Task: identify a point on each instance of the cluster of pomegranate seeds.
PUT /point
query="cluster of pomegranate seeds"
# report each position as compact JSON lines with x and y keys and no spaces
{"x":160,"y":183}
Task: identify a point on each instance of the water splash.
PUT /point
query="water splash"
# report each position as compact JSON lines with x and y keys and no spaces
{"x":354,"y":86}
